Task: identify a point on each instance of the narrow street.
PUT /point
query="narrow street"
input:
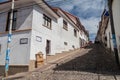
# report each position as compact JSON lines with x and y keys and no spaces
{"x":54,"y":40}
{"x":93,"y":63}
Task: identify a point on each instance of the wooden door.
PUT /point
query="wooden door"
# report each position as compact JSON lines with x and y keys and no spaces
{"x":48,"y":47}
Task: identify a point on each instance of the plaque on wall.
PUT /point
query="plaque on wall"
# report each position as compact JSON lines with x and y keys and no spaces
{"x":24,"y":41}
{"x":38,"y":38}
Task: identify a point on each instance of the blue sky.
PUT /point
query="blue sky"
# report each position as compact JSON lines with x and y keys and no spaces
{"x":88,"y":11}
{"x":2,"y":0}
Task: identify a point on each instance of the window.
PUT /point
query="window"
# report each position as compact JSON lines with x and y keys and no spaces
{"x":65,"y":25}
{"x":14,"y":20}
{"x":65,"y":43}
{"x":73,"y":46}
{"x":47,"y":21}
{"x":75,"y":33}
{"x":105,"y":38}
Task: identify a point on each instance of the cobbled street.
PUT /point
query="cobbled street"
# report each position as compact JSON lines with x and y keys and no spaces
{"x":93,"y":63}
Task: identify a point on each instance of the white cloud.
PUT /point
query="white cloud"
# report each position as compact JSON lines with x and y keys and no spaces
{"x":91,"y":24}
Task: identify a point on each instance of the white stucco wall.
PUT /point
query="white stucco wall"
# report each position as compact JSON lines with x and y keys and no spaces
{"x":19,"y":54}
{"x":116,"y":17}
{"x":109,"y":36}
{"x":3,"y":19}
{"x":68,"y":36}
{"x":39,"y":30}
{"x":24,"y":19}
{"x":57,"y":35}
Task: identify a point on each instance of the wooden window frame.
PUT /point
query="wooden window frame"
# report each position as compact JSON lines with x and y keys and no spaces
{"x":47,"y":21}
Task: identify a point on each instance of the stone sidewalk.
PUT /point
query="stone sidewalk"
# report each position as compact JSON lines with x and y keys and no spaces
{"x":53,"y":58}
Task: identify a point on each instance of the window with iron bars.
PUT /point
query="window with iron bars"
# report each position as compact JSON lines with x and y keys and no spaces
{"x":14,"y":20}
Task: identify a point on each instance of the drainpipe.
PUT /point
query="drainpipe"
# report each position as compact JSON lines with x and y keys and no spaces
{"x":113,"y":32}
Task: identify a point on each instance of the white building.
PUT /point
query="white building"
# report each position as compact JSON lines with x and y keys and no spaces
{"x":36,"y":28}
{"x":106,"y":32}
{"x":116,"y":19}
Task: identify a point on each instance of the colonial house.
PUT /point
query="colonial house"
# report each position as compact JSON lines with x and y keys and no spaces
{"x":101,"y":35}
{"x":83,"y":35}
{"x":111,"y":39}
{"x":37,"y":27}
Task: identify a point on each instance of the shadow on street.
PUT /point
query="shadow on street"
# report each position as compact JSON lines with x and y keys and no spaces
{"x":96,"y":60}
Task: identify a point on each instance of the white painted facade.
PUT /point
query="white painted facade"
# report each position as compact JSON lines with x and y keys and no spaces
{"x":57,"y":35}
{"x":108,"y":34}
{"x":20,"y":53}
{"x":30,"y":26}
{"x":116,"y":19}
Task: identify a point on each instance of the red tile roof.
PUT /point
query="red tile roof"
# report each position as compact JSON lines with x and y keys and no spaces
{"x":73,"y":18}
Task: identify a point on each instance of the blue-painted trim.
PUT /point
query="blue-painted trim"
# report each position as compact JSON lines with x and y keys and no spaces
{"x":114,"y":41}
{"x":9,"y":38}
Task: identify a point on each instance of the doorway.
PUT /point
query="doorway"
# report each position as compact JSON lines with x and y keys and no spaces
{"x":48,"y":47}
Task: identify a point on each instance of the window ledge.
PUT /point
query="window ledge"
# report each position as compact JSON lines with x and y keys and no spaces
{"x":47,"y":27}
{"x":65,"y":28}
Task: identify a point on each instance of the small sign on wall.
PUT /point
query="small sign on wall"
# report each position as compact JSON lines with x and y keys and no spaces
{"x":24,"y":41}
{"x":38,"y":38}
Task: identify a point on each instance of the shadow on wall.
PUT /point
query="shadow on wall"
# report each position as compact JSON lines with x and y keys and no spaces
{"x":24,"y":18}
{"x":95,"y":61}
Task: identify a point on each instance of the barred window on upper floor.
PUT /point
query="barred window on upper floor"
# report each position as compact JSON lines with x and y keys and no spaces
{"x":47,"y":21}
{"x":14,"y":20}
{"x":75,"y":32}
{"x":65,"y":25}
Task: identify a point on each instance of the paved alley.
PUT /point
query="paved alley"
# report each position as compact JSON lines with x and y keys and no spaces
{"x":93,"y":63}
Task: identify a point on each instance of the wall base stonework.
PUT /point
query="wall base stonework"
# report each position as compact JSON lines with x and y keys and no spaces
{"x":13,"y":69}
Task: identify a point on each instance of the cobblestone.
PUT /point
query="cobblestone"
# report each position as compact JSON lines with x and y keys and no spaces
{"x":93,"y":63}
